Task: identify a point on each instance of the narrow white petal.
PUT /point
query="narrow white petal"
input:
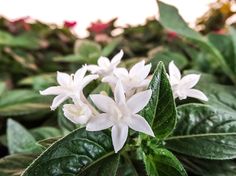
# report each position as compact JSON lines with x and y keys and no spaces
{"x":144,"y":72}
{"x":119,"y":135}
{"x":121,"y":73}
{"x":63,"y":78}
{"x":102,"y":102}
{"x":138,"y":123}
{"x":117,"y":58}
{"x":119,"y":93}
{"x":189,"y":81}
{"x":57,"y":101}
{"x":139,"y":100}
{"x":103,"y":62}
{"x":99,"y":122}
{"x":93,"y":68}
{"x":110,"y":79}
{"x":55,"y":90}
{"x":79,"y":75}
{"x":88,"y":79}
{"x":194,"y":93}
{"x":174,"y":72}
{"x":136,"y":68}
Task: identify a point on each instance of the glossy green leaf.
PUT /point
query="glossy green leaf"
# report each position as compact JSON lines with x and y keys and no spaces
{"x":209,"y":167}
{"x":19,"y":139}
{"x":75,"y":154}
{"x":160,"y":112}
{"x":204,"y":132}
{"x":48,"y":142}
{"x":21,"y":102}
{"x":14,"y":165}
{"x":170,"y":19}
{"x":163,"y":163}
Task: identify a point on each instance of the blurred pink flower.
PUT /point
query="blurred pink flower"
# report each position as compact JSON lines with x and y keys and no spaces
{"x":69,"y":24}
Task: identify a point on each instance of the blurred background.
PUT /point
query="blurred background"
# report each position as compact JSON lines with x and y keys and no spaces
{"x":39,"y":38}
{"x":83,"y":13}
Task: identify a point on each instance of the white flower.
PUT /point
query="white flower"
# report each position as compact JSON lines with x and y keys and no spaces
{"x":135,"y":79}
{"x":105,"y":67}
{"x":120,"y":115}
{"x":70,"y":86}
{"x":78,"y":113}
{"x":182,"y":87}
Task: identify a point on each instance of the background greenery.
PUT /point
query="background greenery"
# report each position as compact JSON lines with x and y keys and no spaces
{"x":200,"y":136}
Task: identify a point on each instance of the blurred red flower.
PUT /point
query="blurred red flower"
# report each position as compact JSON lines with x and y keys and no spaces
{"x":70,"y":24}
{"x":98,"y":27}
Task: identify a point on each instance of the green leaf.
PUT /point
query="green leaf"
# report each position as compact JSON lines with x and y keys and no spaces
{"x":14,"y":165}
{"x":21,"y":102}
{"x":45,"y":132}
{"x":163,"y":163}
{"x":75,"y":154}
{"x":110,"y":47}
{"x":167,"y":56}
{"x":220,"y":96}
{"x":87,"y":50}
{"x":204,"y":132}
{"x":232,"y":33}
{"x":25,"y":40}
{"x":209,"y":167}
{"x":19,"y":139}
{"x":160,"y":112}
{"x":170,"y":19}
{"x":48,"y":142}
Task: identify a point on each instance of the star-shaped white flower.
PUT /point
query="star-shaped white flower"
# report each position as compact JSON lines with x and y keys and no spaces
{"x":182,"y":87}
{"x":135,"y":79}
{"x":105,"y":67}
{"x":120,"y":115}
{"x":78,"y":113}
{"x":70,"y":86}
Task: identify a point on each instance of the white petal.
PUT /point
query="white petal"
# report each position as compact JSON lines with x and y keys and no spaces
{"x":103,"y":62}
{"x":138,"y":123}
{"x":119,"y":93}
{"x":55,"y":90}
{"x":93,"y":68}
{"x":88,"y":79}
{"x":63,"y":78}
{"x":189,"y":81}
{"x":119,"y":135}
{"x":194,"y":93}
{"x":121,"y":73}
{"x":79,"y":75}
{"x":139,"y":100}
{"x":77,"y":114}
{"x":117,"y":58}
{"x":99,"y":122}
{"x":136,"y":68}
{"x":145,"y":71}
{"x":102,"y":102}
{"x":174,"y":72}
{"x":110,"y":79}
{"x":57,"y":101}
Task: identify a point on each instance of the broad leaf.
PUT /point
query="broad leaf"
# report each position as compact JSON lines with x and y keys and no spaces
{"x":160,"y":112}
{"x":75,"y":154}
{"x":21,"y":102}
{"x":163,"y":163}
{"x":170,"y":19}
{"x":19,"y":139}
{"x":204,"y":132}
{"x":45,"y":132}
{"x":14,"y":165}
{"x":209,"y":167}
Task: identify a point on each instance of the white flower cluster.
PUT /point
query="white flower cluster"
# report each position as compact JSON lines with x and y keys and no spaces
{"x":120,"y":112}
{"x":129,"y":91}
